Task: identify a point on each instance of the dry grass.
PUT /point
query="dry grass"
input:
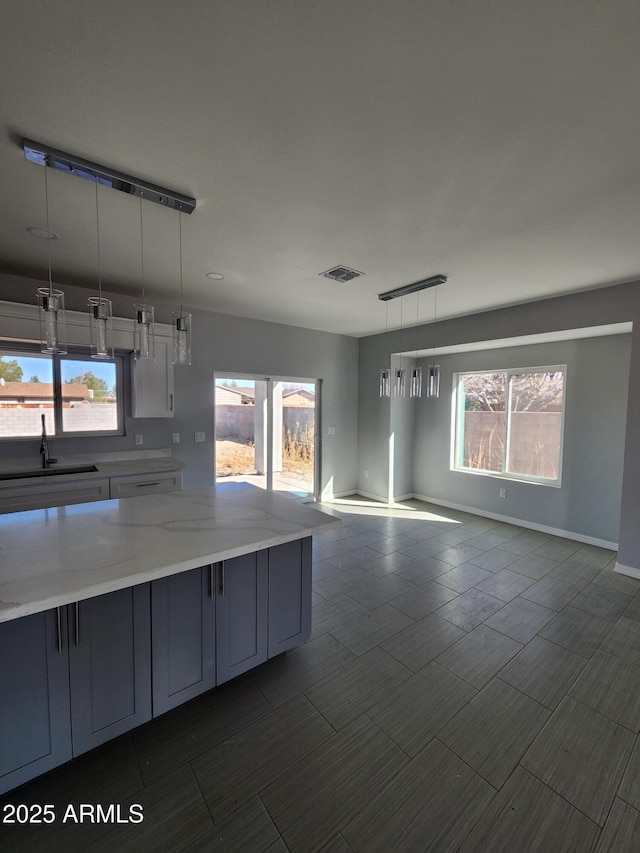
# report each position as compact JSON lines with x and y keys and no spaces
{"x":237,"y":457}
{"x":234,"y":457}
{"x":298,"y":450}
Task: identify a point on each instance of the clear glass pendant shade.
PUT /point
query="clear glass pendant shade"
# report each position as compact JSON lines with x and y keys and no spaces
{"x":144,"y":337}
{"x":101,"y":322}
{"x":53,"y":324}
{"x":400,"y":382}
{"x":182,"y":338}
{"x":385,"y":382}
{"x":433,"y":381}
{"x":415,"y":385}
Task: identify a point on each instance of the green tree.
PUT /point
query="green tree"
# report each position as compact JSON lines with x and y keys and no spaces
{"x":34,"y":379}
{"x":10,"y":370}
{"x":98,"y":386}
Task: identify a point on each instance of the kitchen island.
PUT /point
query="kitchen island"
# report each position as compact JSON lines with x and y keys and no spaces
{"x":114,"y":612}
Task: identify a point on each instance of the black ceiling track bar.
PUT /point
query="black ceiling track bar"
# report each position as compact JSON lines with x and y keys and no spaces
{"x":44,"y":155}
{"x":412,"y":288}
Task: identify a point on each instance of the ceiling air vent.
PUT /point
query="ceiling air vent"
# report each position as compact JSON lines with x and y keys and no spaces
{"x":341,"y":273}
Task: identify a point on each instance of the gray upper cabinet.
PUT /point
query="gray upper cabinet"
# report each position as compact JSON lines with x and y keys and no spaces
{"x":289,"y":595}
{"x":35,"y":725}
{"x":183,"y":631}
{"x":241,"y":614}
{"x":109,"y":665}
{"x":152,"y":383}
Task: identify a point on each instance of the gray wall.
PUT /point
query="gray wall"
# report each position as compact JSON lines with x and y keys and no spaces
{"x":588,"y":500}
{"x":615,"y":304}
{"x":222,"y":343}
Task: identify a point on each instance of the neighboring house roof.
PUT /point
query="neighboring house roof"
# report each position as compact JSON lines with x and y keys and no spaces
{"x":234,"y":396}
{"x":227,"y":395}
{"x":36,"y":391}
{"x":298,"y":397}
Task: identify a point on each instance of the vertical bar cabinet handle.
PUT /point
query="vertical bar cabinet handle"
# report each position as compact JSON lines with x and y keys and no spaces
{"x":59,"y":629}
{"x":77,"y":625}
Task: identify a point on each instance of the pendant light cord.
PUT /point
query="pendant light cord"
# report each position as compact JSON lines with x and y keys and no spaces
{"x":401,"y":325}
{"x":180,"y":231}
{"x":435,"y":320}
{"x":141,"y":251}
{"x":98,"y":246}
{"x":46,"y":208}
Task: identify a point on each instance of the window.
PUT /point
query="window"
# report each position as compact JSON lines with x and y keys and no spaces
{"x":510,"y":423}
{"x":76,"y":394}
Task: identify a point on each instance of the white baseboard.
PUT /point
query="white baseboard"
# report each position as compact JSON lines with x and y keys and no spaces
{"x":627,"y":570}
{"x":531,"y":525}
{"x":330,"y":495}
{"x":372,"y":497}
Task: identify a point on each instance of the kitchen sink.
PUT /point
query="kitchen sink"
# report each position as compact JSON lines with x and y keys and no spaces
{"x":47,"y":472}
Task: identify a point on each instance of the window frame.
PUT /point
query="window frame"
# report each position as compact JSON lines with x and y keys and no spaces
{"x":457,"y":442}
{"x":24,"y":348}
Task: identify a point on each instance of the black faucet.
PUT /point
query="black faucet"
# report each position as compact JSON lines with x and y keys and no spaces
{"x":44,"y":447}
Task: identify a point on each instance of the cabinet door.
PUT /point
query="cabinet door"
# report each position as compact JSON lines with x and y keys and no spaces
{"x":289,"y":595}
{"x":152,"y":383}
{"x":110,"y":665}
{"x":35,"y":727}
{"x":241,"y":614}
{"x":183,"y":632}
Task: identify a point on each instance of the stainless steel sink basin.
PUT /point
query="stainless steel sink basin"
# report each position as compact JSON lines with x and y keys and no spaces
{"x":47,"y":472}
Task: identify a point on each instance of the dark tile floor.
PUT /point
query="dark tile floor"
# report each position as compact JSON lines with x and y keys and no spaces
{"x":469,"y":685}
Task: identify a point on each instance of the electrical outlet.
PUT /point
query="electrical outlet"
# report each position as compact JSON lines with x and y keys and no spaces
{"x":331,"y":430}
{"x":503,"y":493}
{"x":139,"y":440}
{"x":366,"y":474}
{"x":175,"y":438}
{"x":199,"y":436}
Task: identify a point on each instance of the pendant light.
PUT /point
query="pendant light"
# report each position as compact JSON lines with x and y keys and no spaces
{"x":385,"y":373}
{"x":181,"y":322}
{"x":399,"y":380}
{"x":100,"y":316}
{"x":144,"y":336}
{"x":53,"y":326}
{"x":415,"y":384}
{"x":433,"y":371}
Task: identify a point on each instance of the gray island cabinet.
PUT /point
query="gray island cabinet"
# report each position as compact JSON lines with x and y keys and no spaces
{"x":87,"y":655}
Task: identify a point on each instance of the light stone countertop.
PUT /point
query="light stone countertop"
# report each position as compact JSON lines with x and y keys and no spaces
{"x":52,"y":557}
{"x":107,"y":464}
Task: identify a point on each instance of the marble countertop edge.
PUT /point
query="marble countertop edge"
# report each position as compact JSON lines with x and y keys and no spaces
{"x":40,"y":592}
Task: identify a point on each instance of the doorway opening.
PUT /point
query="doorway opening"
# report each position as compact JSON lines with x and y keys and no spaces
{"x":266,"y":432}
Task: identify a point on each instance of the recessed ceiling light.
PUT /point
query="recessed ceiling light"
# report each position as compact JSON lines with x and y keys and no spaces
{"x":43,"y":233}
{"x":216,"y":276}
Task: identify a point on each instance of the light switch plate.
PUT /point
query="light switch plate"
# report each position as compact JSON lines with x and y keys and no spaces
{"x":139,"y":440}
{"x":175,"y":438}
{"x":199,"y":436}
{"x":331,"y":430}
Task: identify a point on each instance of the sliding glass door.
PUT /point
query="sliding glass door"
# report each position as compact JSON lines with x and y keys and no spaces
{"x":267,"y":432}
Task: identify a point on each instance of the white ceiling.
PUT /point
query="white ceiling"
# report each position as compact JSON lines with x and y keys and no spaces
{"x":496,"y":142}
